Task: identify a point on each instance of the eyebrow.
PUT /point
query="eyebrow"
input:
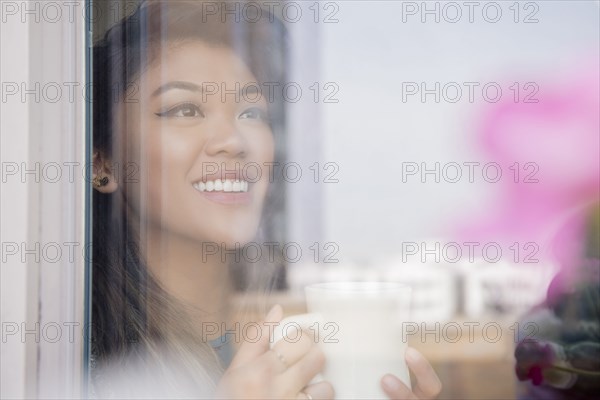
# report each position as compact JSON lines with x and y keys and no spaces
{"x":192,"y":87}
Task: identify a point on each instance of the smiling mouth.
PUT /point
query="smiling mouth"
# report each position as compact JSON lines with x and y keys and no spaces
{"x":222,"y":185}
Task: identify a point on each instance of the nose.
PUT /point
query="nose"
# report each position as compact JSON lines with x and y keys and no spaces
{"x":226,"y":140}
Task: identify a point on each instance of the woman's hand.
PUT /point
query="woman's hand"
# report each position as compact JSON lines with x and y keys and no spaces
{"x":281,"y":373}
{"x":428,"y":385}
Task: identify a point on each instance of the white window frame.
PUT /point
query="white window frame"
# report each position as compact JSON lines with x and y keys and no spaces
{"x":46,"y":296}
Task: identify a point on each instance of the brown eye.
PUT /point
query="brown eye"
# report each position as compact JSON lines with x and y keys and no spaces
{"x":254,"y":113}
{"x":186,"y":110}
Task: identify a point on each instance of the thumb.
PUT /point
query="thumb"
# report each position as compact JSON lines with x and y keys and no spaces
{"x":251,"y":349}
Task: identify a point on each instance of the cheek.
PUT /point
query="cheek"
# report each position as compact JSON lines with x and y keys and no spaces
{"x":264,"y":148}
{"x":169,"y":161}
{"x":165,"y":163}
{"x":264,"y":151}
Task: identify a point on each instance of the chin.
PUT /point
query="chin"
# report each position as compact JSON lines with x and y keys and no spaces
{"x":230,"y":239}
{"x":237,"y":241}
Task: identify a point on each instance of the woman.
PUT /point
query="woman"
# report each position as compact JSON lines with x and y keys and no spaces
{"x":179,"y":116}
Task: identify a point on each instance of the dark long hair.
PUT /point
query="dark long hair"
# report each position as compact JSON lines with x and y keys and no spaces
{"x":131,"y":314}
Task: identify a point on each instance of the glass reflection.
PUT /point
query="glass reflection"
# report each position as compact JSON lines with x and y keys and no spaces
{"x":179,"y":116}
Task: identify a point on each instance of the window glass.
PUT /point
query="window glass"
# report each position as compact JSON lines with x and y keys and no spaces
{"x":245,"y":152}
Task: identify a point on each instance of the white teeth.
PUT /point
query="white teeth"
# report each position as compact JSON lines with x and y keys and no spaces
{"x":219,"y":185}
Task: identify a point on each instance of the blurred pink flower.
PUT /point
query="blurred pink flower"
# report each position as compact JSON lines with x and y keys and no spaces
{"x":556,"y":143}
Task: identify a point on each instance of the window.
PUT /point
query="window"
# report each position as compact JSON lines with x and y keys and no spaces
{"x":172,"y":169}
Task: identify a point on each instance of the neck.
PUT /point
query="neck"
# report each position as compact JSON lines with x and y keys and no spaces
{"x":199,"y":281}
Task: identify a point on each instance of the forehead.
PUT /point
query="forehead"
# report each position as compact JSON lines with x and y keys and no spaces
{"x":196,"y":61}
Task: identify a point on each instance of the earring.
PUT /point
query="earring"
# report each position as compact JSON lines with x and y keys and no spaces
{"x":99,"y":182}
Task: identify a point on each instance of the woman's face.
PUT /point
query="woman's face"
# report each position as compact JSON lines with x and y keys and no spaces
{"x":199,"y":150}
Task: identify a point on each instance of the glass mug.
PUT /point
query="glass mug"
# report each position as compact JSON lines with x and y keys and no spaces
{"x":358,"y":326}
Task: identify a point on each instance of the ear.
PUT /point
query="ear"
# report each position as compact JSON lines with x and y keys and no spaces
{"x":103,"y":171}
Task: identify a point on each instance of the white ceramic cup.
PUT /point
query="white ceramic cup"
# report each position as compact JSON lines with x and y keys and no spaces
{"x":359,"y":327}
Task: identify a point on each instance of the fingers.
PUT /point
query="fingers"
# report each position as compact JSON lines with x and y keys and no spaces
{"x":289,"y":353}
{"x":318,"y":391}
{"x":249,"y":351}
{"x":302,"y":372}
{"x":395,"y":389}
{"x":428,"y":385}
